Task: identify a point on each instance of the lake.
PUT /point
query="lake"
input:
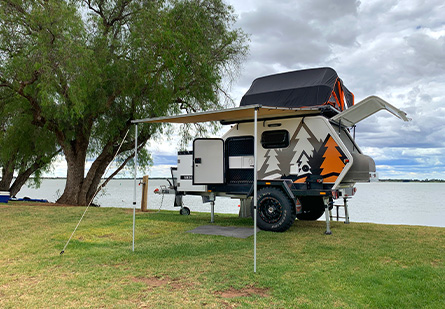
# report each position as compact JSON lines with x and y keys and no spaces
{"x":407,"y":203}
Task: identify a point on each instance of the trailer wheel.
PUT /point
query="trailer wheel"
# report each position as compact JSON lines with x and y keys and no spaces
{"x":185,"y":211}
{"x":312,"y":208}
{"x":274,"y":210}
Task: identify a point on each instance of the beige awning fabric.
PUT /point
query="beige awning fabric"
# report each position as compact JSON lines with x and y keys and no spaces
{"x":233,"y":115}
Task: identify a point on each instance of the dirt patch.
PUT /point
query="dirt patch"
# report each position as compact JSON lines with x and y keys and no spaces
{"x":435,"y":263}
{"x":244,"y":292}
{"x":152,"y":282}
{"x":105,"y":235}
{"x":157,"y":281}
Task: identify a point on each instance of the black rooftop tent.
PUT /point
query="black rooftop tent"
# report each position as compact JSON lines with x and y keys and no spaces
{"x":304,"y":88}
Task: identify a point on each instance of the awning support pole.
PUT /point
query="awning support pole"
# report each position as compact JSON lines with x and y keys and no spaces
{"x":255,"y":180}
{"x":135,"y":175}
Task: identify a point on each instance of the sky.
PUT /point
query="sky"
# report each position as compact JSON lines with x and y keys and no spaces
{"x":392,"y":49}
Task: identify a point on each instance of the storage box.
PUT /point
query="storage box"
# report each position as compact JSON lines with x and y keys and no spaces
{"x":185,"y":173}
{"x":4,"y":196}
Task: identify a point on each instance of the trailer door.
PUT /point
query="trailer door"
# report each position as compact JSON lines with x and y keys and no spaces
{"x":366,"y":108}
{"x":208,"y":161}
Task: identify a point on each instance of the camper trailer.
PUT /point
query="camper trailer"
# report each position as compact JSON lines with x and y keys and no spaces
{"x":302,"y":132}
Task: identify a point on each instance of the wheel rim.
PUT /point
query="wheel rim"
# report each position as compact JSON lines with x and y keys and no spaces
{"x":270,"y":210}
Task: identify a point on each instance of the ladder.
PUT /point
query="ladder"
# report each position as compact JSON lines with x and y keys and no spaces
{"x":337,"y":209}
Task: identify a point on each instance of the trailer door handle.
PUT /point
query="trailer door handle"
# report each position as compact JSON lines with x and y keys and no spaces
{"x":198,"y":161}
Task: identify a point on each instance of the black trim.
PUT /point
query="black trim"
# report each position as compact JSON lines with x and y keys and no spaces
{"x":235,"y":189}
{"x":242,"y":146}
{"x":247,"y":149}
{"x":273,"y":139}
{"x":293,"y":190}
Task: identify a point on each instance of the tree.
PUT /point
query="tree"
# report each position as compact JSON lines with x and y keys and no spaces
{"x":270,"y":168}
{"x":87,"y":68}
{"x":333,"y":163}
{"x":25,"y":149}
{"x":303,"y":150}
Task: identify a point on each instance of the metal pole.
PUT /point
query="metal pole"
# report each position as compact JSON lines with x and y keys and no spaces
{"x":326,"y":213}
{"x":345,"y":203}
{"x":255,"y":180}
{"x":135,"y":174}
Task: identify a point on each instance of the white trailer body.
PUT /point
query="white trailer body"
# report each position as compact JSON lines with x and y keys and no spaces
{"x":295,"y":148}
{"x":184,"y":175}
{"x":305,"y":154}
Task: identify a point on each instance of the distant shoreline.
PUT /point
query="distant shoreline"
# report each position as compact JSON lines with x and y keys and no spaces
{"x":119,"y":178}
{"x":411,"y":180}
{"x":380,"y":180}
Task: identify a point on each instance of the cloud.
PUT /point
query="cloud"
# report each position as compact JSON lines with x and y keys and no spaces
{"x":292,"y":34}
{"x":159,"y":159}
{"x":408,"y":161}
{"x":160,"y":170}
{"x":392,"y":49}
{"x":389,"y":48}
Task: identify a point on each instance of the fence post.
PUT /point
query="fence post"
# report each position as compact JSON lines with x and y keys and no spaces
{"x":144,"y":199}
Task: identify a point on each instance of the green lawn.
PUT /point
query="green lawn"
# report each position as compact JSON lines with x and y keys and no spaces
{"x":360,"y":265}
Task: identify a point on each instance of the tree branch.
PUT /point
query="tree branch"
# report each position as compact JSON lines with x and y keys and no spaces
{"x":98,"y":12}
{"x":120,"y":16}
{"x":122,"y":166}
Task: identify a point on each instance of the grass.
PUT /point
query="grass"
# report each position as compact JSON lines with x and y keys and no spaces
{"x":360,"y":265}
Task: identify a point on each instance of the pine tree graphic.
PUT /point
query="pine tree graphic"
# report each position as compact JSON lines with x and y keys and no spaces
{"x":317,"y":158}
{"x":269,"y":169}
{"x":301,"y":140}
{"x":333,"y":162}
{"x":304,"y":168}
{"x":303,"y":150}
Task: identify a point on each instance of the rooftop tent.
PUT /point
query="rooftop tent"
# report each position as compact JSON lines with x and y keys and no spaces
{"x":304,"y":88}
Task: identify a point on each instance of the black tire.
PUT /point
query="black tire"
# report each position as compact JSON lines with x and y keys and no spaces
{"x":312,"y":208}
{"x":275,"y":211}
{"x":185,"y":211}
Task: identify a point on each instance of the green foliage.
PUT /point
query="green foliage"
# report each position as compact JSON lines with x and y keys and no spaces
{"x":25,"y":148}
{"x":87,"y":68}
{"x":360,"y":265}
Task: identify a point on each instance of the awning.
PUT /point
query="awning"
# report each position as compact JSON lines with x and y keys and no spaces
{"x":246,"y":113}
{"x":234,"y":115}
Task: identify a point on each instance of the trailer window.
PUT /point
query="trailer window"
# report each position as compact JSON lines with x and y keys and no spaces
{"x":275,"y":139}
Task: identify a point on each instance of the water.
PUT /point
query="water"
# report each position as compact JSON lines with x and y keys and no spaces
{"x":379,"y":202}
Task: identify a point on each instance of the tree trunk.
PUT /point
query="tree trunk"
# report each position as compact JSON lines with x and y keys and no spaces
{"x":7,"y":176}
{"x":20,"y":181}
{"x":97,"y":171}
{"x":22,"y":177}
{"x":99,"y":167}
{"x":80,"y":189}
{"x":75,"y":157}
{"x":95,"y":174}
